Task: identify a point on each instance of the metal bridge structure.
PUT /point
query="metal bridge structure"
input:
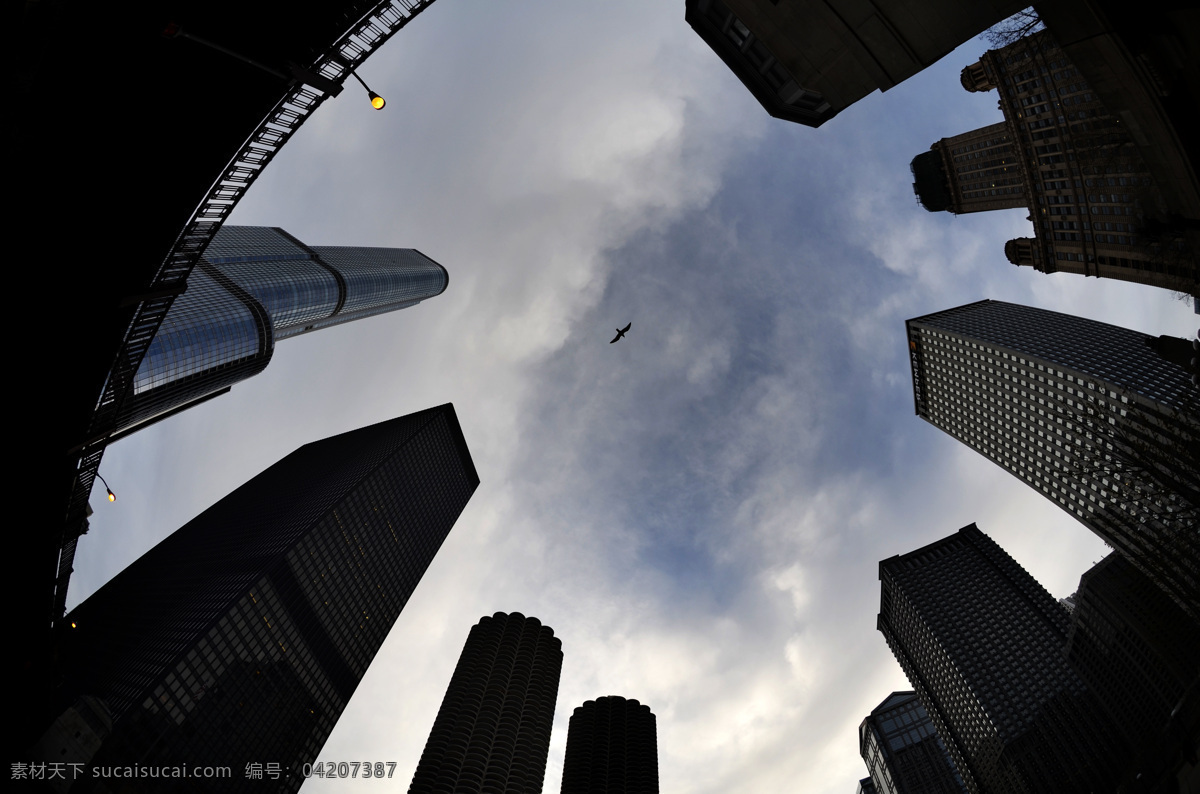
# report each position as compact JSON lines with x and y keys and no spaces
{"x":299,"y":101}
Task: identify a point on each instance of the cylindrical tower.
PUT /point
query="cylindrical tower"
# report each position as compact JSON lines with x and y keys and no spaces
{"x":492,"y":732}
{"x":612,"y":748}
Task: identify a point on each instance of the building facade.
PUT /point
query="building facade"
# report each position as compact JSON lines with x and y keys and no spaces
{"x":806,"y":61}
{"x":492,"y":732}
{"x":1140,"y":653}
{"x":254,"y":286}
{"x":865,"y":786}
{"x":1086,"y":413}
{"x":241,"y":637}
{"x":903,"y":752}
{"x":982,"y":645}
{"x":1095,"y":209}
{"x":612,"y":748}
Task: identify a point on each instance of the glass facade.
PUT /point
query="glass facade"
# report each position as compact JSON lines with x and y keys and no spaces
{"x":1087,"y":413}
{"x":242,"y":637}
{"x":903,"y":752}
{"x":254,"y":286}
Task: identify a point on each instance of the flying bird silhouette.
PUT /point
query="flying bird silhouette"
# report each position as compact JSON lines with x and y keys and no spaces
{"x":621,"y":332}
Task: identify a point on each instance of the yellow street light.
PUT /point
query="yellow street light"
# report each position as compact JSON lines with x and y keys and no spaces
{"x":112,"y":497}
{"x":377,"y":101}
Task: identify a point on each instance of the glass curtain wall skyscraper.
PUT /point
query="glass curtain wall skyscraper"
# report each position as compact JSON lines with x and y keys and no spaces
{"x":242,"y":636}
{"x":903,"y":752}
{"x":257,"y":285}
{"x":492,"y":732}
{"x":1085,"y":412}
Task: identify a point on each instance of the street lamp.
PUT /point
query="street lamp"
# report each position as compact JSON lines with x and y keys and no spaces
{"x":377,"y":101}
{"x":112,"y":497}
{"x":297,"y":72}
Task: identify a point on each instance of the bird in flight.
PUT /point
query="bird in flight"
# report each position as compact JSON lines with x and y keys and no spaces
{"x":621,"y":332}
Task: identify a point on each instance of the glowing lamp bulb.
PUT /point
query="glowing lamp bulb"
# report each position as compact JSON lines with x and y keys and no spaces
{"x":112,"y":497}
{"x":73,"y":624}
{"x":377,"y":101}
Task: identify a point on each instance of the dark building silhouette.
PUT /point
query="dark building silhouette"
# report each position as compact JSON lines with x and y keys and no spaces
{"x":982,"y":644}
{"x":903,"y":752}
{"x":807,"y":60}
{"x":1140,"y":654}
{"x":612,"y":748}
{"x":1062,"y":155}
{"x":1086,"y":413}
{"x":242,"y":636}
{"x":492,"y":732}
{"x":866,"y":786}
{"x":254,"y":286}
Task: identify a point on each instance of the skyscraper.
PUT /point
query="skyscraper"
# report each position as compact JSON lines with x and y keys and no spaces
{"x":612,"y":748}
{"x":1140,"y":653}
{"x":903,"y":752}
{"x":806,"y":61}
{"x":492,"y":732}
{"x":982,"y":644}
{"x":242,"y":636}
{"x":1096,"y":210}
{"x":1086,"y":413}
{"x":257,"y":285}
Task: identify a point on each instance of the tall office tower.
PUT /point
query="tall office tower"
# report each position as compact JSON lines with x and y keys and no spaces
{"x":982,"y":644}
{"x":1140,"y":654}
{"x":1086,"y":413}
{"x":1059,"y":153}
{"x":241,"y":637}
{"x":492,"y":732}
{"x":612,"y":748}
{"x":257,"y":285}
{"x":903,"y":752}
{"x":807,"y":60}
{"x":866,"y":786}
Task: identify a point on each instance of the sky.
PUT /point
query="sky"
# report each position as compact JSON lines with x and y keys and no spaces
{"x":699,"y":510}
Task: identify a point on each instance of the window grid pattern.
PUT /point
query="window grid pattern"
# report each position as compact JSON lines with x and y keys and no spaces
{"x":1084,"y":412}
{"x":1090,"y":188}
{"x":378,"y":277}
{"x":903,"y":752}
{"x":255,"y":285}
{"x":1136,"y":649}
{"x":244,"y":634}
{"x":981,"y":642}
{"x":986,"y":169}
{"x":206,"y":328}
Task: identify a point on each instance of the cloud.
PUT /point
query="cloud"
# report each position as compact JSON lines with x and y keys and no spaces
{"x":699,"y":510}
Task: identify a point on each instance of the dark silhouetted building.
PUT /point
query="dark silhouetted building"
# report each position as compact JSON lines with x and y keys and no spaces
{"x":866,"y":786}
{"x":1086,"y":413}
{"x":1138,"y":651}
{"x":241,"y":637}
{"x":903,"y":753}
{"x":982,"y":644}
{"x":807,"y":60}
{"x":254,"y":286}
{"x":1059,"y":153}
{"x":612,"y":748}
{"x":492,"y":732}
